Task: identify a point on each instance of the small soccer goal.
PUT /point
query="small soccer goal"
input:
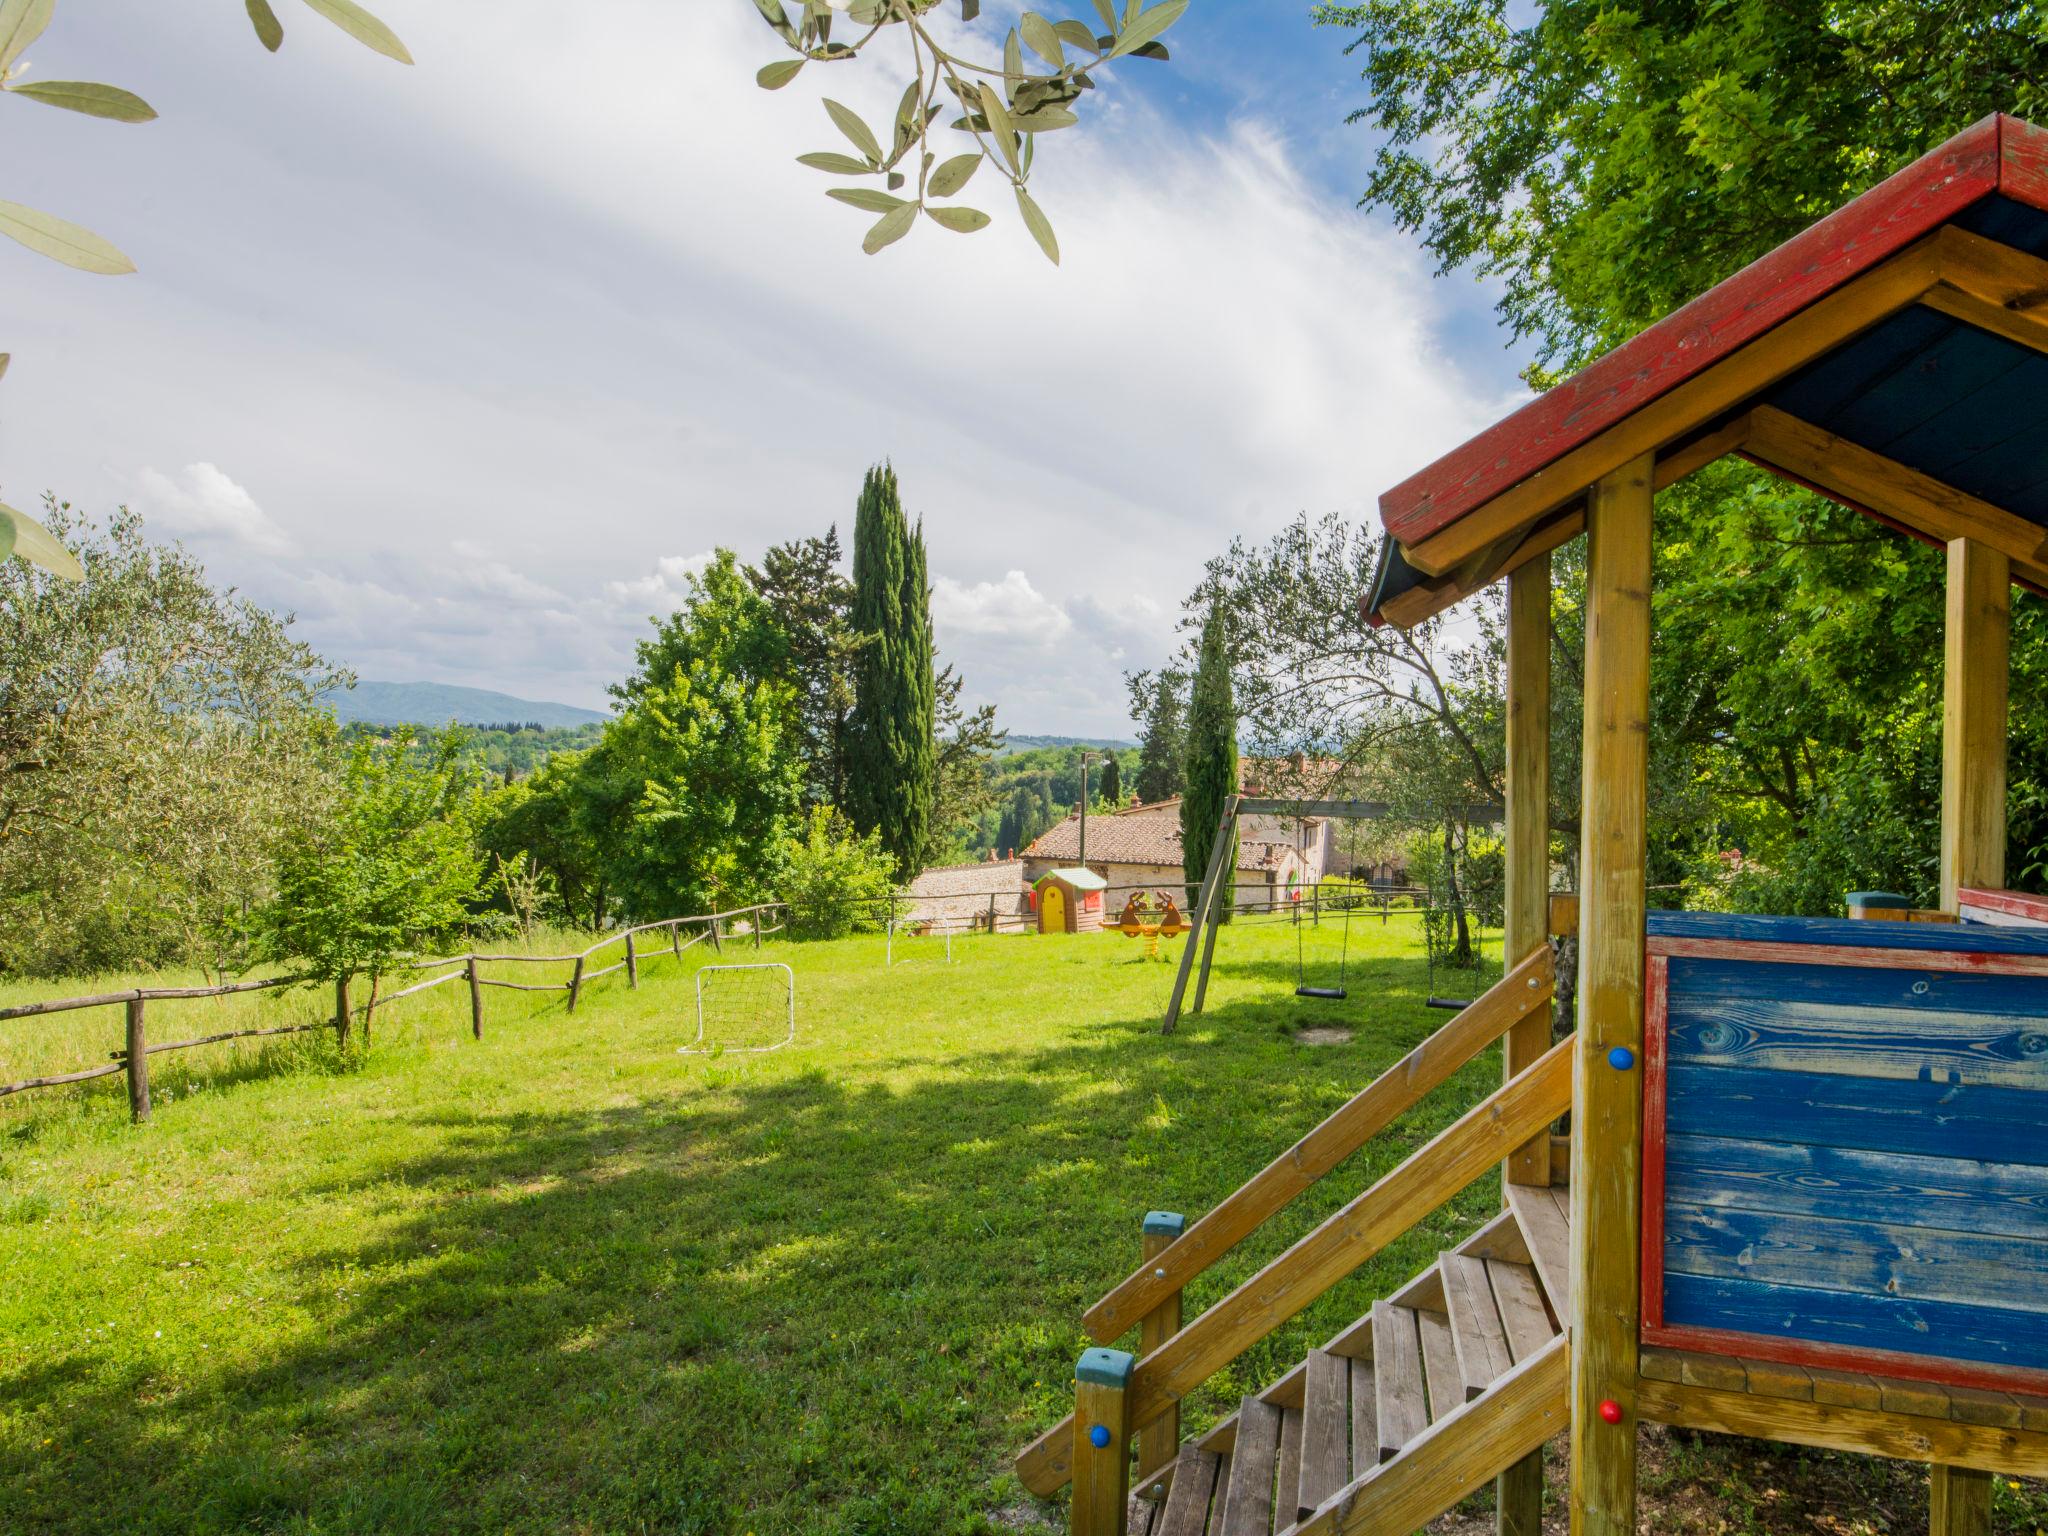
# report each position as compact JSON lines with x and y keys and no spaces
{"x":743,"y":1009}
{"x":908,"y":940}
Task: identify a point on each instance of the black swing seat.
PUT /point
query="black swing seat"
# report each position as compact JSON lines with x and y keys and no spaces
{"x":1454,"y":1004}
{"x":1331,"y":992}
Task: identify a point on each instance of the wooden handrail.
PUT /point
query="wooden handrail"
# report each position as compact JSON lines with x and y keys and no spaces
{"x":1397,"y":1090}
{"x":1462,"y":1153}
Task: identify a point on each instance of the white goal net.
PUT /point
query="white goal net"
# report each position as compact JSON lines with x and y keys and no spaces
{"x":743,"y":1008}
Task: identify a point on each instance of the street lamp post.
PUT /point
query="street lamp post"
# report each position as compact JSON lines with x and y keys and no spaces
{"x":1086,"y":759}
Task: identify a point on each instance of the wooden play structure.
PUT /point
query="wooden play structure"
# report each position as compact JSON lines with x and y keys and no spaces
{"x":1069,"y":901}
{"x":1138,"y":921}
{"x":1804,"y":1196}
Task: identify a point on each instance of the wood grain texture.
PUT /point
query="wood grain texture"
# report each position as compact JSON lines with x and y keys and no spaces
{"x":1549,"y":1236}
{"x":1719,"y":324}
{"x":1476,"y":1328}
{"x":1254,"y":1465}
{"x":1401,"y":1403}
{"x":2029,"y":909}
{"x":2022,"y":1453}
{"x":1976,"y":649}
{"x":1994,"y":287}
{"x":1958,"y":1502}
{"x":1159,"y":1441}
{"x":1102,"y":1477}
{"x":1523,"y":991}
{"x":1525,"y":913}
{"x":1841,"y":941}
{"x":1605,"y":1303}
{"x":1440,"y":1364}
{"x":1326,"y":1430}
{"x":1520,"y":1300}
{"x":1287,"y":1486}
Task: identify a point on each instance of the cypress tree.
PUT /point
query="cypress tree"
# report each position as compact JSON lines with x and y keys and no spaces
{"x":1211,"y":764}
{"x":1112,"y":782}
{"x":890,"y":755}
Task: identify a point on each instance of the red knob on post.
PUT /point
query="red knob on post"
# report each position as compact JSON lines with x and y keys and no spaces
{"x":1610,"y":1411}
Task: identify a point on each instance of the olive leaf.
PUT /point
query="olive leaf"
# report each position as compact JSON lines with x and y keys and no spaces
{"x":1107,"y":12}
{"x":837,"y":164}
{"x":773,"y":77}
{"x":21,"y":23}
{"x":61,"y":240}
{"x":363,"y":27}
{"x":1013,"y":60}
{"x":1042,"y":39}
{"x":851,"y":125}
{"x":969,"y":9}
{"x":953,"y":175}
{"x":891,"y":227}
{"x":999,"y":123}
{"x":1152,"y":51}
{"x":269,"y":30}
{"x":773,"y":13}
{"x":864,"y":197}
{"x":1076,"y":33}
{"x":1147,"y":25}
{"x":93,"y":100}
{"x":1040,"y":227}
{"x":22,"y":535}
{"x":1046,"y":119}
{"x":963,"y":221}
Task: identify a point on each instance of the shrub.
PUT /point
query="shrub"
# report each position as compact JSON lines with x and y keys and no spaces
{"x":834,"y":879}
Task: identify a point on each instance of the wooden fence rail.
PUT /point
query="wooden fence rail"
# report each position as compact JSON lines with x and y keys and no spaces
{"x":137,"y":1048}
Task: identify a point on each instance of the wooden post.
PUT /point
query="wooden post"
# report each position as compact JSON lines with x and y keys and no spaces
{"x":476,"y":1000}
{"x":576,"y":984}
{"x":1102,"y":1443}
{"x":341,"y":1009}
{"x":632,"y":962}
{"x":1204,"y":899}
{"x":756,"y":921}
{"x":1607,"y":1117}
{"x":138,"y":1064}
{"x":1227,"y":893}
{"x":675,"y":939}
{"x":717,"y":943}
{"x":991,"y":911}
{"x":1974,"y":698}
{"x":1959,"y":1502}
{"x":1159,"y":1441}
{"x":1518,"y":1491}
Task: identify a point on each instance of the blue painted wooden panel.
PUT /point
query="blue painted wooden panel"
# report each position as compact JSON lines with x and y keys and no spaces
{"x":1888,"y":1258}
{"x":1857,"y":1156}
{"x":1926,"y":1119}
{"x":1849,"y":1184}
{"x":1947,"y":1330}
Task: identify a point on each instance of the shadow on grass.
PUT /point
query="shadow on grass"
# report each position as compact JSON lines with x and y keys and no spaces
{"x":761,"y":1303}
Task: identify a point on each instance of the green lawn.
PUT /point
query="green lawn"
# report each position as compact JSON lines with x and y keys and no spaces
{"x":565,"y":1279}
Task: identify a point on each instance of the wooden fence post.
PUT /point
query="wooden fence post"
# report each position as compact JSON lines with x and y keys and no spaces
{"x":1958,"y":1502}
{"x":576,"y":984}
{"x":1159,"y":1441}
{"x":991,"y":911}
{"x":632,"y":962}
{"x":476,"y":1001}
{"x":138,"y":1064}
{"x":717,"y":943}
{"x":675,"y":939}
{"x":341,"y":1010}
{"x":758,"y":911}
{"x":1102,"y":1443}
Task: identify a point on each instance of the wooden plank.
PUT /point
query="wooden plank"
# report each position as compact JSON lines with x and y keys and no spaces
{"x":1517,"y":1294}
{"x":1201,"y":919}
{"x":1518,"y":1497}
{"x":1924,"y":1398}
{"x":1549,"y":1237}
{"x":1976,"y":1405}
{"x":1326,"y":1429}
{"x":1814,"y":1254}
{"x":1456,"y":1455}
{"x":1220,"y":1503}
{"x":1883,"y":485}
{"x":1606,"y":1193}
{"x":1856,"y":1185}
{"x":1661,"y":1364}
{"x":1713,"y":1371}
{"x":1159,"y":1441}
{"x":1525,"y":912}
{"x":1771,"y":1378}
{"x":1102,"y":1473}
{"x":1456,"y":1157}
{"x":1993,"y":286}
{"x":1762,"y":298}
{"x":1524,"y":990}
{"x":1976,"y":652}
{"x":1440,"y":1364}
{"x":1287,"y":1488}
{"x":2018,"y":1452}
{"x":1706,"y":396}
{"x":1846,"y":1389}
{"x":1500,"y":1238}
{"x":1958,"y":1502}
{"x":2031,"y":911}
{"x":1401,"y":1406}
{"x":1476,"y":1327}
{"x":1254,"y":1465}
{"x":1365,"y":1417}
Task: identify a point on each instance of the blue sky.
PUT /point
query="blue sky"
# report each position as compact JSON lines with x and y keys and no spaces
{"x":469,"y":365}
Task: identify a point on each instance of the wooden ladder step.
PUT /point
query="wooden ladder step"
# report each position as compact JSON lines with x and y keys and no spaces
{"x":1476,"y":1326}
{"x":1325,"y":1431}
{"x":1400,"y":1398}
{"x":1254,"y":1469}
{"x":1545,"y":1217}
{"x":1440,"y":1364}
{"x":1186,"y":1512}
{"x":1519,"y":1295}
{"x":1287,"y":1495}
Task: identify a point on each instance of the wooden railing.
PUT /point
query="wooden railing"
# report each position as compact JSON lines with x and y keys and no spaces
{"x":133,"y":1057}
{"x":1457,"y":1157}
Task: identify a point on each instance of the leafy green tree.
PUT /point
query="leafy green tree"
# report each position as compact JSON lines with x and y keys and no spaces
{"x":156,"y":736}
{"x":724,"y":620}
{"x":891,"y":768}
{"x":388,"y":870}
{"x":569,"y":821}
{"x":1159,"y":700}
{"x":965,"y":744}
{"x":1211,"y":770}
{"x":1112,"y":782}
{"x":833,"y":879}
{"x":813,"y":604}
{"x":1006,"y":105}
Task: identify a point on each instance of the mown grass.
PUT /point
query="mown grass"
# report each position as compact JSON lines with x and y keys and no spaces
{"x":565,"y":1279}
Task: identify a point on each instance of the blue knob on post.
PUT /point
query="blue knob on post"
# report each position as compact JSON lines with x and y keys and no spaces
{"x":1099,"y":1437}
{"x":1621,"y":1058}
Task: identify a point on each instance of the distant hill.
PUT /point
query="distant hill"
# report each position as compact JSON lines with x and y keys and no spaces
{"x":1019,"y":743}
{"x":439,"y":703}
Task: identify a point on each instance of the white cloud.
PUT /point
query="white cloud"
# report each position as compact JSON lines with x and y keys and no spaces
{"x":666,"y":586}
{"x":1011,"y":609}
{"x":203,"y":504}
